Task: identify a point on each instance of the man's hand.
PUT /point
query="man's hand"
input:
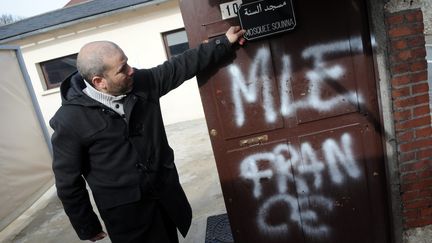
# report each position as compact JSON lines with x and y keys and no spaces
{"x":99,"y":236}
{"x":234,"y":34}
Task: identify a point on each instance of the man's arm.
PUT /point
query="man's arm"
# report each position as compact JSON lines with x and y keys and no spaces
{"x":175,"y":71}
{"x":68,"y":156}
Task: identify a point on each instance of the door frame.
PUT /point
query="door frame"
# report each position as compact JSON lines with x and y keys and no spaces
{"x":377,"y":29}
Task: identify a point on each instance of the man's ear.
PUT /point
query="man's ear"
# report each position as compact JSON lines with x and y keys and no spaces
{"x":98,"y":82}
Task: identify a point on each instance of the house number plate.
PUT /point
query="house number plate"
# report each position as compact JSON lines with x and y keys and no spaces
{"x":230,"y":9}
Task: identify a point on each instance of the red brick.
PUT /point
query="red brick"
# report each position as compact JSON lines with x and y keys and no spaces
{"x":404,"y":56}
{"x":410,"y":196}
{"x":412,"y":101}
{"x":416,"y":41}
{"x":415,"y":145}
{"x":421,"y":203}
{"x":420,"y":76}
{"x":401,"y":68}
{"x":426,"y":212}
{"x":402,"y":115}
{"x":427,"y":174}
{"x":406,"y":178}
{"x":415,"y":16}
{"x":399,"y":44}
{"x":426,"y":193}
{"x":424,"y":154}
{"x":418,"y":122}
{"x":406,"y":30}
{"x":418,"y":66}
{"x":418,"y":222}
{"x":427,"y":183}
{"x":406,"y":157}
{"x":414,"y":166}
{"x":401,"y":31}
{"x":414,"y":177}
{"x":418,"y":53}
{"x":418,"y":27}
{"x":402,"y":92}
{"x":396,"y":19}
{"x":405,"y":136}
{"x":408,"y":55}
{"x":420,"y":88}
{"x":401,"y":80}
{"x":421,"y":110}
{"x":423,"y":132}
{"x":411,"y":213}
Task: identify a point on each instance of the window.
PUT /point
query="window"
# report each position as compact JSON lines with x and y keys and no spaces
{"x":175,"y":42}
{"x":56,"y":70}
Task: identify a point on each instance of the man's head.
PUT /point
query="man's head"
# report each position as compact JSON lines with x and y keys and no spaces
{"x":104,"y":65}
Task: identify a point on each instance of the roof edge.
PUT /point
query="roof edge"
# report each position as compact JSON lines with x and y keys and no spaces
{"x":74,"y":22}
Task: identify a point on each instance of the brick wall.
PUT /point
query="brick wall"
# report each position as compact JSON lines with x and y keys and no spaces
{"x":412,"y":119}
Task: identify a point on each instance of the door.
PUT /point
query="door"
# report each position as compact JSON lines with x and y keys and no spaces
{"x":295,"y":128}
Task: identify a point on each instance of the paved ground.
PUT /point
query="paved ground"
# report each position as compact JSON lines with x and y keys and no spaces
{"x":198,"y":175}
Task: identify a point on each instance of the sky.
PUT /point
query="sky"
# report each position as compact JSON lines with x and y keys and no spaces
{"x":29,"y":8}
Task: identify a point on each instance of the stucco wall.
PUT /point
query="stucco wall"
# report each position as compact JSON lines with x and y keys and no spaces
{"x":137,"y":32}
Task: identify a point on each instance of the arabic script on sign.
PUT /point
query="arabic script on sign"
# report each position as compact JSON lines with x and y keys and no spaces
{"x":259,"y":8}
{"x":266,"y":17}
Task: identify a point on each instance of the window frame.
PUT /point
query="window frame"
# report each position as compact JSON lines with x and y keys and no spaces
{"x":165,"y":41}
{"x":48,"y":84}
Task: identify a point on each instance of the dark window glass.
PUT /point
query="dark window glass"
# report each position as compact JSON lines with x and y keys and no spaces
{"x":56,"y":70}
{"x":176,"y":42}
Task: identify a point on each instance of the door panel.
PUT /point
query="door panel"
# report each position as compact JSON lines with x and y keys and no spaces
{"x":334,"y":177}
{"x":247,"y":92}
{"x":270,"y":196}
{"x":294,"y":125}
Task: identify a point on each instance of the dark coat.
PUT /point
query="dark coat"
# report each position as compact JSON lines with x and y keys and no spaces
{"x":123,"y":160}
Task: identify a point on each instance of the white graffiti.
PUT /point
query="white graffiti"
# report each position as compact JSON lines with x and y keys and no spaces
{"x":289,"y":165}
{"x":285,"y":157}
{"x":333,"y":154}
{"x":246,"y":90}
{"x":258,"y":78}
{"x":304,"y":218}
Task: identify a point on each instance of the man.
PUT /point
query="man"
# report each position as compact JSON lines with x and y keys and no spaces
{"x":109,"y":132}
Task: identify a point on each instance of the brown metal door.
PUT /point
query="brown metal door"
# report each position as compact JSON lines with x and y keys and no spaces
{"x":294,"y":125}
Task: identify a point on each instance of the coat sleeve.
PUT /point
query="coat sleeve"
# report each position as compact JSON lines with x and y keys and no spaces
{"x":68,"y":164}
{"x":175,"y":71}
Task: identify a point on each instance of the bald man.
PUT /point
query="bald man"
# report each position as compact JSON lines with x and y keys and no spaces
{"x":109,"y":132}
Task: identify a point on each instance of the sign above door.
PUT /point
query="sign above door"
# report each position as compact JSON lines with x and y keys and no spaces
{"x":266,"y":17}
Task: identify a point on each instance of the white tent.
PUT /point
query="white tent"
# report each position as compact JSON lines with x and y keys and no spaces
{"x":25,"y":152}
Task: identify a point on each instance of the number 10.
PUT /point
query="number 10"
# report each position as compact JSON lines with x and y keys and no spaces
{"x":234,"y":8}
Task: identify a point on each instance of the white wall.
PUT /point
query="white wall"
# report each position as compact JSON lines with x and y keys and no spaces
{"x":137,"y":32}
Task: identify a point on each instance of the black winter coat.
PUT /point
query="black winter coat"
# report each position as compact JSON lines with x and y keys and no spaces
{"x":123,"y":160}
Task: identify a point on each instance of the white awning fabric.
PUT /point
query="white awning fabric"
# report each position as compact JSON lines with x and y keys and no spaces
{"x":25,"y":155}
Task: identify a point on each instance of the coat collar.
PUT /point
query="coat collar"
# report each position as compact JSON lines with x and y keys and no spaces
{"x":71,"y":91}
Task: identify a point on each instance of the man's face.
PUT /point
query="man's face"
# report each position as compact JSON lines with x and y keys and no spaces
{"x":118,"y":75}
